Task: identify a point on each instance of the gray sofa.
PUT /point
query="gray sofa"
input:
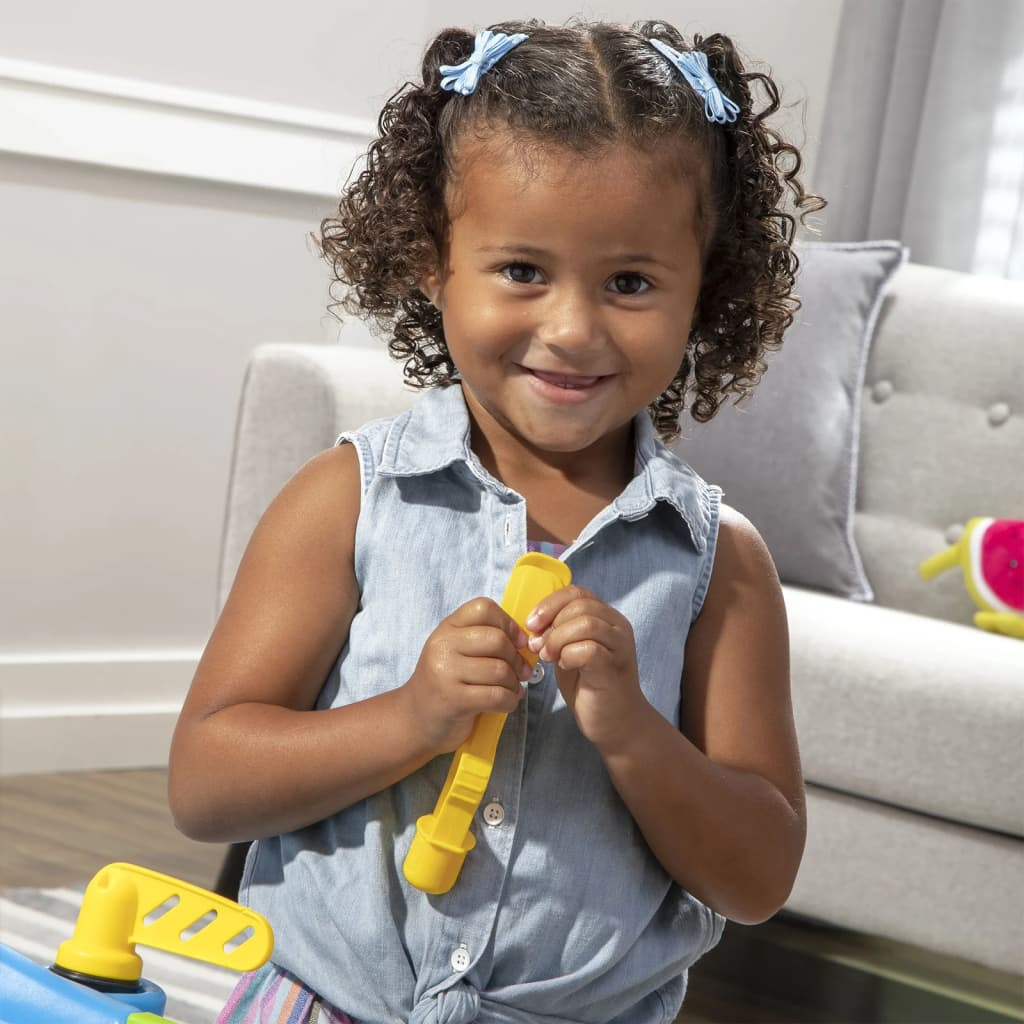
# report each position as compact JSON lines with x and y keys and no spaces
{"x":911,"y":720}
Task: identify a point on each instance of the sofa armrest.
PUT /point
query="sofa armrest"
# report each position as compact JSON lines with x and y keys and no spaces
{"x":295,"y":401}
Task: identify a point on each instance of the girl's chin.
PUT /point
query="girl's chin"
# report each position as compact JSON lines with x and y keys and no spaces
{"x":558,"y":429}
{"x":562,"y":438}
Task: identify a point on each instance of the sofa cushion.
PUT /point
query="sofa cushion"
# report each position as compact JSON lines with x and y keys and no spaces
{"x":787,"y":457}
{"x":909,"y":710}
{"x":885,"y":871}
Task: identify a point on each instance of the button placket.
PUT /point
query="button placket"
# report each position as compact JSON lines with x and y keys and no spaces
{"x":464,"y":933}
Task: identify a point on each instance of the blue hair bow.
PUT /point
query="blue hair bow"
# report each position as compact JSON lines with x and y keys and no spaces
{"x":488,"y":49}
{"x":693,"y":64}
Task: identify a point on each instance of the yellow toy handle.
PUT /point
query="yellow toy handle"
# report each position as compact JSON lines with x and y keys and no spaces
{"x":1007,"y":623}
{"x":960,"y":553}
{"x":443,"y":838}
{"x":943,"y":561}
{"x":125,"y":904}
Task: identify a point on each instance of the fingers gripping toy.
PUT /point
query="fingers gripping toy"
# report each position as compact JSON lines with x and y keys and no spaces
{"x":443,"y":838}
{"x":991,"y":554}
{"x":97,"y":976}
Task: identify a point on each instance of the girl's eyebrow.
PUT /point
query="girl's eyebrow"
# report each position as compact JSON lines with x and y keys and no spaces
{"x":534,"y":252}
{"x":513,"y":250}
{"x":643,"y":257}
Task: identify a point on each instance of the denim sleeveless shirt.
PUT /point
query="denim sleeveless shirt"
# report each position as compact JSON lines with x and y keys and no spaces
{"x":561,"y":913}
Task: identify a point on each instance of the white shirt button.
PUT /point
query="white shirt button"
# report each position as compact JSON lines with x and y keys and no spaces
{"x":494,"y":814}
{"x":537,"y":674}
{"x":460,"y":958}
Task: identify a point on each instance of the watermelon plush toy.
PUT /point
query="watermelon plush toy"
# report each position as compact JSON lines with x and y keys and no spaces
{"x":991,"y":554}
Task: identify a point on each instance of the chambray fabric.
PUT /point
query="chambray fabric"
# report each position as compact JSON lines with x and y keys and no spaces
{"x":561,"y":913}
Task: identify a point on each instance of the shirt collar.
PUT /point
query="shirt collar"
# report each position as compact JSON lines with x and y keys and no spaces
{"x":435,"y":433}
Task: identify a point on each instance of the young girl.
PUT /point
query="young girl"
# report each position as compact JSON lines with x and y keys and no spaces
{"x":567,"y":230}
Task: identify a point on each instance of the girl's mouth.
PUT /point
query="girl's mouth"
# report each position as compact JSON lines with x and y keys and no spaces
{"x":566,"y":389}
{"x":571,"y":382}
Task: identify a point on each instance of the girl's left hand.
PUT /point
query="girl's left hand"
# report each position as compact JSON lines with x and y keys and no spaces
{"x":594,"y":653}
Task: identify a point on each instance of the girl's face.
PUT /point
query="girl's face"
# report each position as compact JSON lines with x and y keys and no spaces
{"x":567,"y":291}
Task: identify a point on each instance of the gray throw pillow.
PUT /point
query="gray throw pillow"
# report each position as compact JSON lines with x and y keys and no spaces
{"x":787,"y":457}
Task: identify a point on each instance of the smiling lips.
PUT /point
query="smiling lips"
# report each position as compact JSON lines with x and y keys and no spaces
{"x":571,"y":382}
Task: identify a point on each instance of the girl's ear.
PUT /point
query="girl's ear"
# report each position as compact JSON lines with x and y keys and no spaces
{"x":430,"y":285}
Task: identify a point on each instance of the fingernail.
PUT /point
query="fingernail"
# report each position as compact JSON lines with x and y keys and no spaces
{"x":533,"y":621}
{"x":536,"y":643}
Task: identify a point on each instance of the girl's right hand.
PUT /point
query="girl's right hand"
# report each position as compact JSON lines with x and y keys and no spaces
{"x":468,"y":665}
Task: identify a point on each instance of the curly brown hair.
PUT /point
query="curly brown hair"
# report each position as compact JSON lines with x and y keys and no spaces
{"x":582,"y":85}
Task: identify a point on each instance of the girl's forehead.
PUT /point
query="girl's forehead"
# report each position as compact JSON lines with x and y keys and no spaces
{"x":555,"y":200}
{"x":494,"y":178}
{"x":525,"y":164}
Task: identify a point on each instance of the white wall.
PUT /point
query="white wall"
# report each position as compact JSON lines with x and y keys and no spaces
{"x":160,"y":170}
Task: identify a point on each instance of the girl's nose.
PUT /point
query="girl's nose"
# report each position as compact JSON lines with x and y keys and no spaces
{"x":572,"y":323}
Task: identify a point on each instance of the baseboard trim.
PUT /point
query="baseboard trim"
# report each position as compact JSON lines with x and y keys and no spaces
{"x":64,"y":114}
{"x":90,"y":711}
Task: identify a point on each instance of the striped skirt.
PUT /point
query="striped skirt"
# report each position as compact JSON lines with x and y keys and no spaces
{"x":273,"y":996}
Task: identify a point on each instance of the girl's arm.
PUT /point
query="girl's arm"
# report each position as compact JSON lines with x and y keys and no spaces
{"x":728,"y":820}
{"x":250,"y":757}
{"x":721,"y":801}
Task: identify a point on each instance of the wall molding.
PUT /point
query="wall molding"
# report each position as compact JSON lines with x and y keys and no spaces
{"x":63,"y":114}
{"x":90,"y":711}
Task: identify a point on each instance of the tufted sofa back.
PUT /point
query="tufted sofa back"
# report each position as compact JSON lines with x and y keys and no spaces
{"x":942,"y":430}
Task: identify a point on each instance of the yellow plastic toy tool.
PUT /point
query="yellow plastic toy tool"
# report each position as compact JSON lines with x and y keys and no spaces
{"x":125,"y":904}
{"x":443,"y":838}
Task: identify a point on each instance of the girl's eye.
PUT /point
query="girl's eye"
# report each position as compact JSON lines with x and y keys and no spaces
{"x":630,"y":284}
{"x":522,"y":273}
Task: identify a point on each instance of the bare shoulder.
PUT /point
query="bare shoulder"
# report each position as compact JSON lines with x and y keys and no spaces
{"x":310,"y":526}
{"x":741,"y":557}
{"x":323,"y":490}
{"x":736,"y":688}
{"x":293,"y":598}
{"x":743,"y":614}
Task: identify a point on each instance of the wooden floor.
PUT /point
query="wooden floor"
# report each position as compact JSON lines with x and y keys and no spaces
{"x":59,"y":830}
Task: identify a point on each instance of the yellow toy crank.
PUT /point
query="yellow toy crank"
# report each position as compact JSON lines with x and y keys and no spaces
{"x":97,"y":976}
{"x":125,"y":904}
